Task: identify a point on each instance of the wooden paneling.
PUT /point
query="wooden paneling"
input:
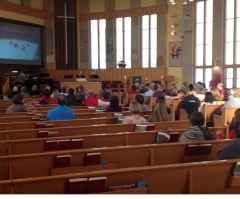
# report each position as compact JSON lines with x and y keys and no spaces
{"x":111,"y":74}
{"x":25,"y":10}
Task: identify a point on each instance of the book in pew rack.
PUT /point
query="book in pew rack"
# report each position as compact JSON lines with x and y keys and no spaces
{"x":64,"y":144}
{"x":198,"y":149}
{"x":78,"y":186}
{"x":174,"y":136}
{"x":87,"y":185}
{"x":236,"y":170}
{"x":42,"y":134}
{"x":51,"y":145}
{"x":76,"y":143}
{"x":144,"y":127}
{"x":92,"y":159}
{"x":97,"y":184}
{"x":62,"y":161}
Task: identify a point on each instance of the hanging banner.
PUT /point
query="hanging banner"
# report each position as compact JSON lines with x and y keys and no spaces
{"x":175,"y":53}
{"x":135,"y":43}
{"x":84,"y":45}
{"x":109,"y":45}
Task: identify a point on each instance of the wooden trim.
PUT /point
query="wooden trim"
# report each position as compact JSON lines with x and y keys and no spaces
{"x":158,"y":9}
{"x":26,"y":10}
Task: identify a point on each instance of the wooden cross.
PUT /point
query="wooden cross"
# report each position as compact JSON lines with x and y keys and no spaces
{"x":65,"y":17}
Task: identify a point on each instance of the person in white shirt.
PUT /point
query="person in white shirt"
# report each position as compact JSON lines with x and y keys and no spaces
{"x":150,"y":91}
{"x":209,"y":99}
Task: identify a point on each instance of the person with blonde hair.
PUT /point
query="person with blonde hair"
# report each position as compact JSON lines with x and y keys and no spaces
{"x":160,"y":113}
{"x":135,"y":118}
{"x":216,"y":94}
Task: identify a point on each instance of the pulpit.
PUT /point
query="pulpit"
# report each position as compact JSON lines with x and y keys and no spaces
{"x":168,"y":79}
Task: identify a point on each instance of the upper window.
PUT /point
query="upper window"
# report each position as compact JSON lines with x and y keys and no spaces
{"x":204,"y":27}
{"x":149,"y":41}
{"x":203,"y":41}
{"x":123,"y":40}
{"x":232,"y":43}
{"x":98,"y":44}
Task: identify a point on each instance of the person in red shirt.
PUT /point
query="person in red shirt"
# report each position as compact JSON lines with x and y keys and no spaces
{"x":133,"y":90}
{"x":90,"y":99}
{"x":218,"y":79}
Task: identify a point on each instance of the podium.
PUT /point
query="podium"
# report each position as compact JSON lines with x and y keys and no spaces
{"x":169,"y":79}
{"x":94,"y":78}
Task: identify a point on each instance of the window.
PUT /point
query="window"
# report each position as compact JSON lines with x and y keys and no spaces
{"x":232,"y":43}
{"x":98,"y":44}
{"x":203,"y":41}
{"x":149,"y":41}
{"x":123,"y":40}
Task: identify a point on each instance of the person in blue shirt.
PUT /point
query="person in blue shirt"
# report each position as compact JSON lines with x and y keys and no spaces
{"x":62,"y":112}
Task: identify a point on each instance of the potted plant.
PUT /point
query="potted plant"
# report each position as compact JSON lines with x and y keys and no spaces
{"x":121,"y":64}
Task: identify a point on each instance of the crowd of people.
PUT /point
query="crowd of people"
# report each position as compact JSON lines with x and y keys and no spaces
{"x":66,"y":97}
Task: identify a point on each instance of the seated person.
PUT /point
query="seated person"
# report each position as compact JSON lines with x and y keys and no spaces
{"x":160,"y":112}
{"x":235,"y":133}
{"x":99,"y":94}
{"x":197,"y":132}
{"x":231,"y":151}
{"x":135,"y":118}
{"x":209,"y":99}
{"x":71,"y":98}
{"x":150,"y":91}
{"x":105,"y":100}
{"x":25,"y":93}
{"x":140,"y":99}
{"x":188,"y":102}
{"x":114,"y":105}
{"x":233,"y":101}
{"x":90,"y":99}
{"x":133,"y":90}
{"x":62,"y":112}
{"x":47,"y":96}
{"x":158,"y":92}
{"x":17,"y":105}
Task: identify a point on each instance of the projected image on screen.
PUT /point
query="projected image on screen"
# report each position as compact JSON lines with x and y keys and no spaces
{"x":20,"y":43}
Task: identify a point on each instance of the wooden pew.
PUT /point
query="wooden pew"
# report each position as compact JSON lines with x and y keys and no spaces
{"x":58,"y":123}
{"x":225,"y":118}
{"x":209,"y":110}
{"x":26,"y":122}
{"x":211,"y":177}
{"x":86,"y":130}
{"x":184,"y":115}
{"x":37,"y":145}
{"x":39,"y":164}
{"x":41,"y":117}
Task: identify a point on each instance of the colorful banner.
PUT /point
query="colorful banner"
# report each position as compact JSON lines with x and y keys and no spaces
{"x":135,"y":43}
{"x":109,"y":45}
{"x":175,"y":53}
{"x":49,"y":44}
{"x":84,"y":46}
